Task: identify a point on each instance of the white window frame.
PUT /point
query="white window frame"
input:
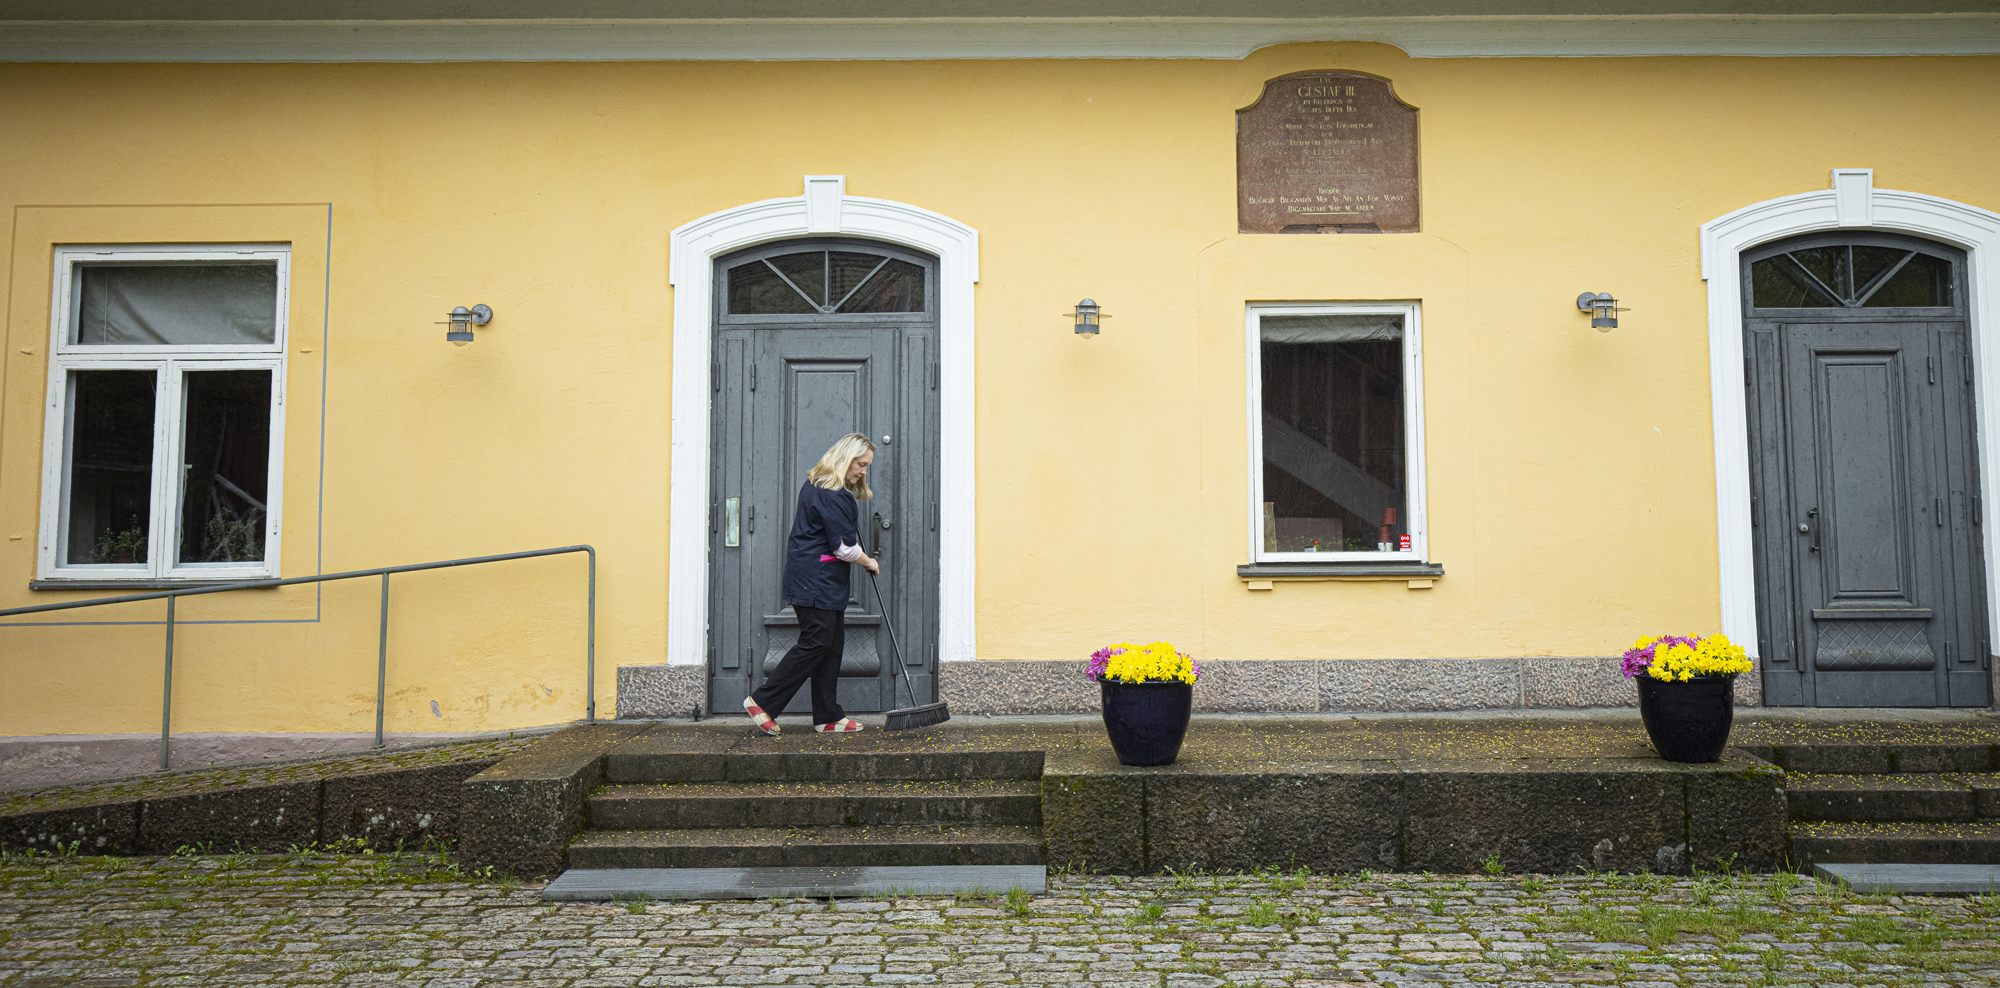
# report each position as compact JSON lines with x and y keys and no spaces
{"x":1417,"y":523}
{"x":171,"y":363}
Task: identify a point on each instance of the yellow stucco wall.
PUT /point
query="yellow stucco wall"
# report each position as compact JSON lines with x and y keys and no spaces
{"x":1571,"y":490}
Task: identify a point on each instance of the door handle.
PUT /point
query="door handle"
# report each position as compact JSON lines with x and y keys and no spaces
{"x":881,"y":524}
{"x":753,"y":520}
{"x":1810,"y":527}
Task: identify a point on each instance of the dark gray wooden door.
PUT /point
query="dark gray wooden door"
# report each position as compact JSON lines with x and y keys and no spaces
{"x":815,"y":340}
{"x":1864,"y":489}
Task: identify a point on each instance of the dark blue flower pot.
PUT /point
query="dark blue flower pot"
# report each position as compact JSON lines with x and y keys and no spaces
{"x":1688,"y":721}
{"x":1147,"y":721}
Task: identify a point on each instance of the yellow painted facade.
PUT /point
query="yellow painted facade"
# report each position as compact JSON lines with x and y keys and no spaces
{"x":1570,"y":477}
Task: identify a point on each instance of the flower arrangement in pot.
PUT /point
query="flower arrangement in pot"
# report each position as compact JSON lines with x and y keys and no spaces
{"x":1687,"y":692}
{"x":1148,"y":693}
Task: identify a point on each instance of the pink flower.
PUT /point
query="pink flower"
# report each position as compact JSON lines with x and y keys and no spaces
{"x":1638,"y":660}
{"x":1100,"y":661}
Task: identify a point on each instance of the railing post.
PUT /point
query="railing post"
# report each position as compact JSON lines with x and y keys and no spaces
{"x":590,"y":646}
{"x":382,"y":661}
{"x":167,"y":691}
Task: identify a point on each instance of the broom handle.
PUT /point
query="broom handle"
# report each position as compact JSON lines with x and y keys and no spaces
{"x":895,"y":649}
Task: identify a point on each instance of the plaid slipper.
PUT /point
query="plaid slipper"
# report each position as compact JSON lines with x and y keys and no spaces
{"x":759,"y":717}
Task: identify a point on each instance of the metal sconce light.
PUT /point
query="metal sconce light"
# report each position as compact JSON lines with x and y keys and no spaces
{"x":1603,"y":310}
{"x":463,"y":319}
{"x":1088,"y":313}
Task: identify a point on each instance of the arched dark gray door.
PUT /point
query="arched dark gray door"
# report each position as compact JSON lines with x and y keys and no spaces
{"x":1864,"y":481}
{"x":814,"y":340}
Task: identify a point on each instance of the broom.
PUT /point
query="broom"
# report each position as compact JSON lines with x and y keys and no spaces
{"x":921,"y":715}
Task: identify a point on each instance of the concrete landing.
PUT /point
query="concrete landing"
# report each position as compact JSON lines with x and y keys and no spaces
{"x":1914,"y":879}
{"x":587,"y":884}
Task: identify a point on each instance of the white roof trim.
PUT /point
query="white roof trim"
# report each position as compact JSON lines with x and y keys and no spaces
{"x":805,"y":39}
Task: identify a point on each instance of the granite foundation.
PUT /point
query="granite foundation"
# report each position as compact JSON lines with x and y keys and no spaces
{"x":653,"y":692}
{"x":1058,"y":686}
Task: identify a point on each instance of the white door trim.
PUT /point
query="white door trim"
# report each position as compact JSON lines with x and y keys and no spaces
{"x":1852,"y":203}
{"x":824,"y":209}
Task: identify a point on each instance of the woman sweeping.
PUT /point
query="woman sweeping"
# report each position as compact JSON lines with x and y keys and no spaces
{"x":825,"y":539}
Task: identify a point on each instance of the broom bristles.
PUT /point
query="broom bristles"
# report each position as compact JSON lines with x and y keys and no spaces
{"x":918,"y":716}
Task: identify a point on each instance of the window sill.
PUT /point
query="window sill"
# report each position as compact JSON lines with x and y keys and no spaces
{"x":142,"y":583}
{"x":1261,"y":575}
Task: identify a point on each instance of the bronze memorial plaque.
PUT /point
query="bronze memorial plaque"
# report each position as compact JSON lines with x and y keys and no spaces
{"x":1326,"y":152}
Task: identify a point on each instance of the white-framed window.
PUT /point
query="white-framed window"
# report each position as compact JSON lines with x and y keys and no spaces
{"x":1336,"y":432}
{"x":162,"y":454}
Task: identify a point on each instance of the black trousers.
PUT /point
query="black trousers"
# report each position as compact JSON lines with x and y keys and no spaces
{"x":822,"y":635}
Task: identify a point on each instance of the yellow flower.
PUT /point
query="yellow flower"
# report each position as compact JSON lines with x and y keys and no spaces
{"x":1156,"y":662}
{"x":1715,"y":655}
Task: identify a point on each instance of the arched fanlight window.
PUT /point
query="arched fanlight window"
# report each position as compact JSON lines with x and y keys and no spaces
{"x":1858,"y":275}
{"x":825,"y":282}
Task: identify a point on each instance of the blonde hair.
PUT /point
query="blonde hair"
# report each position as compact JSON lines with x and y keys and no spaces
{"x":831,"y":470}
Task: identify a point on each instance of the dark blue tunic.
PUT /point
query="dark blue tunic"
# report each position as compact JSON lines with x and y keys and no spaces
{"x":824,"y":520}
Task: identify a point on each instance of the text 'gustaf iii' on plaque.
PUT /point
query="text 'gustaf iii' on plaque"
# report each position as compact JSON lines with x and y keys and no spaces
{"x":1326,"y":152}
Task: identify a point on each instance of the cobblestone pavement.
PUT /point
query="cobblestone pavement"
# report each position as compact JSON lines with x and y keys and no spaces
{"x":314,"y":918}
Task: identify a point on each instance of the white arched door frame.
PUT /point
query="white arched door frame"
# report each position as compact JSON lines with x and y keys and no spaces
{"x":1853,"y":203}
{"x":824,"y":210}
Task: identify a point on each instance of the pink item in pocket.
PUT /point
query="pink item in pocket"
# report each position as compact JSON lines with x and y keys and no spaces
{"x":828,"y":559}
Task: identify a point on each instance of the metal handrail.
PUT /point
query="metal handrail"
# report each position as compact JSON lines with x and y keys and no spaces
{"x":382,"y":646}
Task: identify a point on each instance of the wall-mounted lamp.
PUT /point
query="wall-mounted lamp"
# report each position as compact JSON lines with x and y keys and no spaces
{"x":1087,"y":314}
{"x":463,"y":319}
{"x":1603,"y":309}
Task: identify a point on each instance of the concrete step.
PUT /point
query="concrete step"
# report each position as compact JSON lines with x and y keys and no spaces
{"x":1985,"y":788}
{"x":587,"y":884}
{"x":909,"y":802}
{"x":1866,"y":758}
{"x":1913,"y":879}
{"x":1921,"y":797}
{"x":1895,"y":843}
{"x":641,"y":762}
{"x":807,"y":847}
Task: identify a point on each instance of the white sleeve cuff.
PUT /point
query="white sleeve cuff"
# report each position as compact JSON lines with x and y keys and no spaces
{"x":847,"y":553}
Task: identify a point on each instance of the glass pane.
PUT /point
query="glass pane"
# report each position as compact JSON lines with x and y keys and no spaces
{"x":226,"y":461}
{"x":1333,"y":433}
{"x":155,"y":304}
{"x":1926,"y":280}
{"x":807,"y":270}
{"x":846,"y":271}
{"x":1870,"y":262}
{"x":898,"y":287}
{"x":756,"y":290}
{"x":1829,"y":265}
{"x":1776,"y":283}
{"x":107,"y":503}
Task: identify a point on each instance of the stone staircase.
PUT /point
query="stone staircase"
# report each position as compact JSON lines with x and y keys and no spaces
{"x":673,"y":824}
{"x":1892,"y":803}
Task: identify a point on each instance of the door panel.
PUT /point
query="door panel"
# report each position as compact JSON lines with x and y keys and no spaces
{"x":1870,"y":579}
{"x":825,"y":387}
{"x":1854,"y":646}
{"x":1861,"y":488}
{"x":806,"y":380}
{"x":732,"y":652}
{"x":1966,"y":651}
{"x":1861,"y":464}
{"x":1862,"y":460}
{"x":904,"y":517}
